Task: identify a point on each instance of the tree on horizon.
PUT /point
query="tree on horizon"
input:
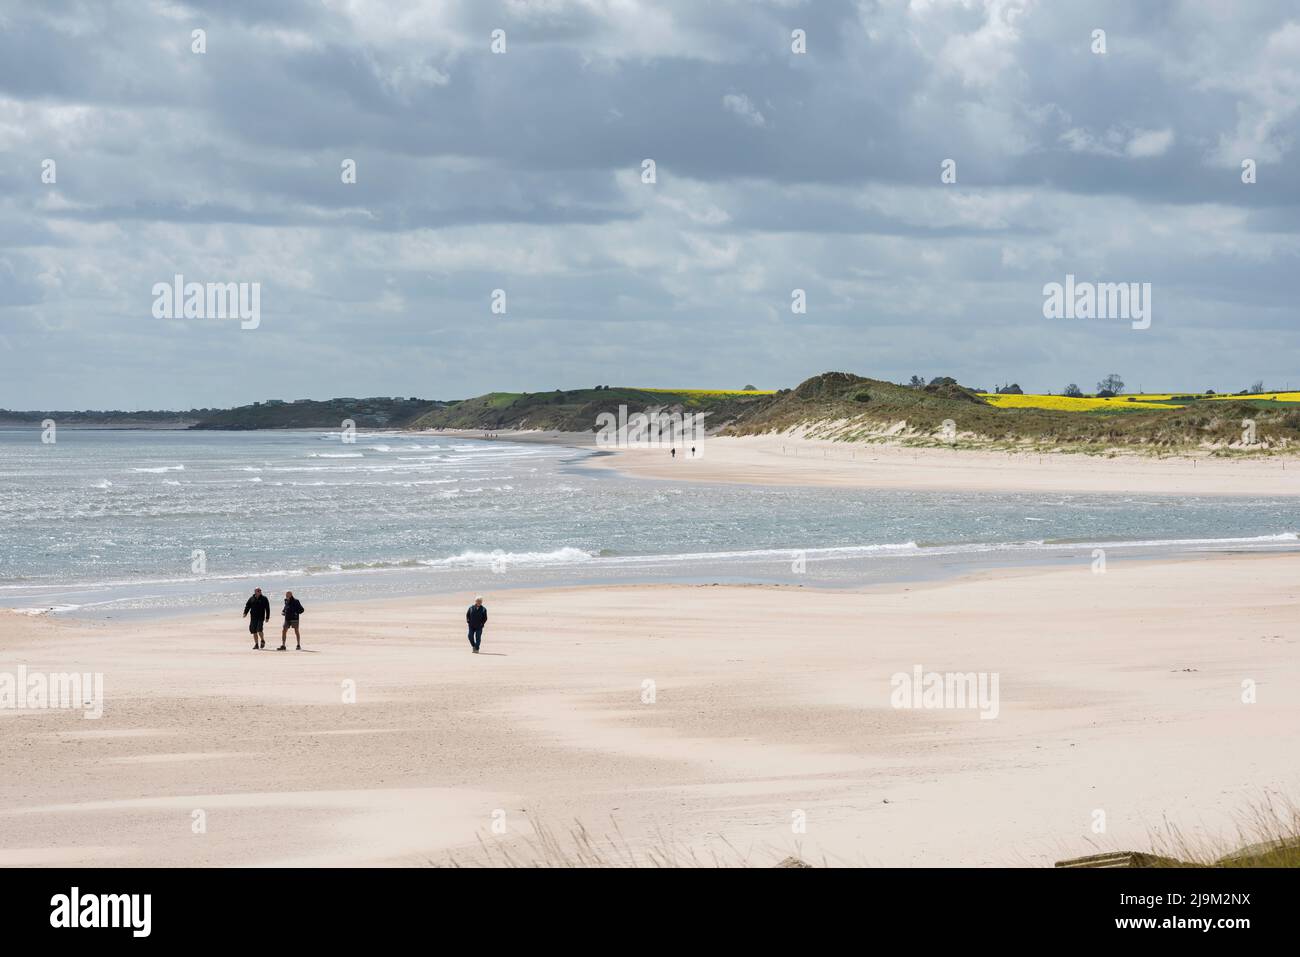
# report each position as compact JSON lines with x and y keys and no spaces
{"x":1112,"y":384}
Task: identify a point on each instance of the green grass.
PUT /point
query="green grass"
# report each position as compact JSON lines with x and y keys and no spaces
{"x":711,"y":392}
{"x":844,"y":407}
{"x":832,"y":406}
{"x":578,"y":410}
{"x":1267,"y":834}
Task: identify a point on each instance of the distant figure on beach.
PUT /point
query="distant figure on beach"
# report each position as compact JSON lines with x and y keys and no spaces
{"x":692,"y":451}
{"x":257,"y":609}
{"x":292,"y":610}
{"x":476,"y":618}
{"x":672,"y":452}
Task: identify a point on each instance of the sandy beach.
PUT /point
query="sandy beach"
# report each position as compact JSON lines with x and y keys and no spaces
{"x":697,"y":717}
{"x":793,"y":460}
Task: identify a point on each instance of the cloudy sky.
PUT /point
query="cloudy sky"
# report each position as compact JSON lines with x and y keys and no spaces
{"x":522,"y":171}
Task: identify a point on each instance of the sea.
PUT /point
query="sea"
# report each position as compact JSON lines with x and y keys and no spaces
{"x":115,"y":524}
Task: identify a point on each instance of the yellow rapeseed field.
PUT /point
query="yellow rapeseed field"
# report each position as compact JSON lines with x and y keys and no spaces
{"x":1141,"y":401}
{"x":1067,"y":403}
{"x":1265,"y":396}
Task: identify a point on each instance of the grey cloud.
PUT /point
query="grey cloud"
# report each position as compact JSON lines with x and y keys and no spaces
{"x":521,"y":171}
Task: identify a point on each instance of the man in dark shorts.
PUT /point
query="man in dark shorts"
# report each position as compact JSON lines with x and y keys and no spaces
{"x":257,"y":609}
{"x":292,"y":610}
{"x":476,"y":618}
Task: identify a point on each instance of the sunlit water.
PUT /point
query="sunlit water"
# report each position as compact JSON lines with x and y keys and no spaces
{"x":109,"y":523}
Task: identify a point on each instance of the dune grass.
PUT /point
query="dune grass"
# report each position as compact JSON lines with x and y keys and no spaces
{"x":1267,"y":834}
{"x":840,"y":406}
{"x":578,"y":847}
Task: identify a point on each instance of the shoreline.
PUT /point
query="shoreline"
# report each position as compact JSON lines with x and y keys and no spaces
{"x":766,"y":700}
{"x":797,"y":461}
{"x":791,"y":459}
{"x":952,"y":574}
{"x":920,"y":568}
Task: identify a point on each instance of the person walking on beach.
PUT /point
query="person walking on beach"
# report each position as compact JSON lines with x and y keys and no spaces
{"x":292,"y":611}
{"x":257,"y":609}
{"x":672,"y":451}
{"x":476,"y":618}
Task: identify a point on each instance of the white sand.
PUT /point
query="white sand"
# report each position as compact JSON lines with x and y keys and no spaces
{"x":1118,"y":692}
{"x":783,"y":460}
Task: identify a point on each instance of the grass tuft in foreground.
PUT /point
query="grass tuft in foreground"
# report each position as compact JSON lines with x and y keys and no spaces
{"x":1268,"y":835}
{"x":580,"y":848}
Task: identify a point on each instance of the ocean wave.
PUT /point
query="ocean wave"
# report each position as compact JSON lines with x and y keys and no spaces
{"x":377,"y":565}
{"x":127,"y":582}
{"x":768,"y":554}
{"x":558,"y":556}
{"x":161,"y":469}
{"x":565,"y":556}
{"x":572,"y":556}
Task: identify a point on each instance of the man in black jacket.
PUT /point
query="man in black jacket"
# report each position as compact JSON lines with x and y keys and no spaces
{"x":476,"y":618}
{"x":292,"y":609}
{"x":257,"y":609}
